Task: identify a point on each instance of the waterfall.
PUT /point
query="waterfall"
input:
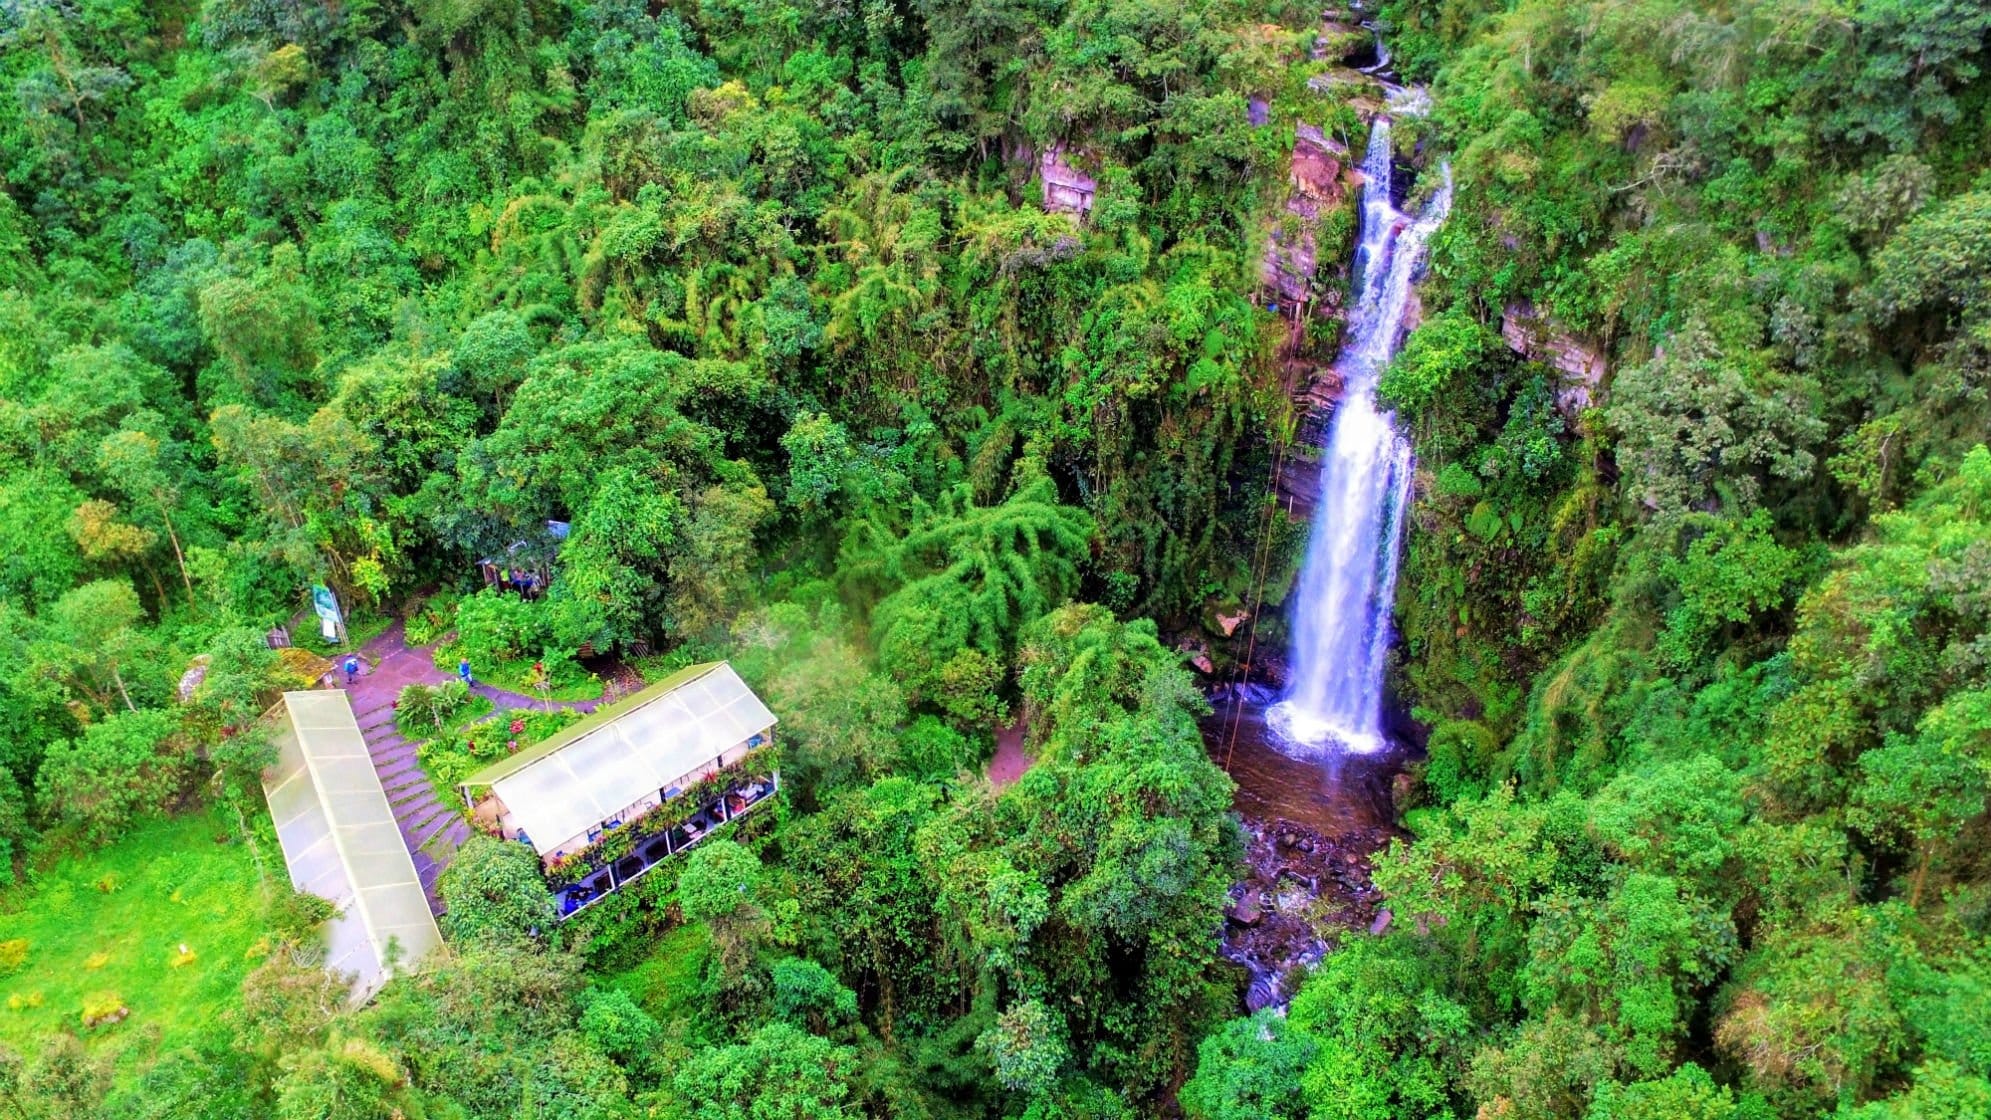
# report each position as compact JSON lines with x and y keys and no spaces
{"x":1346,"y":587}
{"x":1382,"y":63}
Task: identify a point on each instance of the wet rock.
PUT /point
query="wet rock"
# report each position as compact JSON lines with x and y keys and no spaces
{"x":1403,"y":790}
{"x":1307,"y":875}
{"x":1199,"y":656}
{"x":1261,"y":994}
{"x":1316,"y":185}
{"x":1382,"y":922}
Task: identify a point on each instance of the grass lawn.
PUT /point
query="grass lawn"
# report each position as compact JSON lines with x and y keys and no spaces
{"x":169,"y":884}
{"x":670,"y":985}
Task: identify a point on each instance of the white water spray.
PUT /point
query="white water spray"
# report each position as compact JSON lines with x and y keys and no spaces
{"x":1342,"y":603}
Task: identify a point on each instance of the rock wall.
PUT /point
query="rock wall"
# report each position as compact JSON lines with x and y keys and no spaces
{"x":1319,"y":179}
{"x":1315,"y":184}
{"x":1581,"y":362}
{"x":1066,"y":189}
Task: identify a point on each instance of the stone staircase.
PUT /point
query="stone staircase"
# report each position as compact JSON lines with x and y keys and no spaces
{"x":431,"y":821}
{"x":432,"y":829}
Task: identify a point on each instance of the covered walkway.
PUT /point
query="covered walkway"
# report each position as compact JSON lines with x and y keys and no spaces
{"x":340,"y":842}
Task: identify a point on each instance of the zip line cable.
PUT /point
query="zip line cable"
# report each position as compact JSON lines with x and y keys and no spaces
{"x":1261,"y":564}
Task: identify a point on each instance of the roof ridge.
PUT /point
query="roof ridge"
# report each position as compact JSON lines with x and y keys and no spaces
{"x":589,"y":724}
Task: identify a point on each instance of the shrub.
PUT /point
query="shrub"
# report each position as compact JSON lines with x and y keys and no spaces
{"x":13,"y":954}
{"x":103,"y":1009}
{"x":622,"y":1030}
{"x":119,"y":767}
{"x":422,"y":705}
{"x":809,"y":996}
{"x":493,"y":892}
{"x":1027,"y":1045}
{"x":430,"y":620}
{"x":296,"y":916}
{"x":931,"y":750}
{"x":491,"y":628}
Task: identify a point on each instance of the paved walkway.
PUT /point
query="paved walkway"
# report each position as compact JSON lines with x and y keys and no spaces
{"x":1010,"y":760}
{"x":432,"y":828}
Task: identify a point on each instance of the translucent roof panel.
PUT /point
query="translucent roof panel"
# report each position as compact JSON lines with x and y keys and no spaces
{"x":340,"y":841}
{"x":559,"y":789}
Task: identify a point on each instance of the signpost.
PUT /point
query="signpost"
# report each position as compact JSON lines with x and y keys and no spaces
{"x":330,"y":621}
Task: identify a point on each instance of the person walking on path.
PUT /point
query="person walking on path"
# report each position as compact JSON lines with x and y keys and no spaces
{"x":352,"y":669}
{"x":463,"y":671}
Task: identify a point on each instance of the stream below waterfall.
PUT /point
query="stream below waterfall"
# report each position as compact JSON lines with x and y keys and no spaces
{"x":1315,"y":765}
{"x":1311,"y":827}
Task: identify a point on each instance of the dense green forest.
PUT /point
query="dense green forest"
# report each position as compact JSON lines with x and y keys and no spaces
{"x":762,"y":299}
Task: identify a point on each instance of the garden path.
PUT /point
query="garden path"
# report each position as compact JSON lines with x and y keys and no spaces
{"x":432,"y":828}
{"x":1010,"y":760}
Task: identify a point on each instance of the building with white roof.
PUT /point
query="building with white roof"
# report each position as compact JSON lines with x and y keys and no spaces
{"x":633,"y":784}
{"x":340,"y":842}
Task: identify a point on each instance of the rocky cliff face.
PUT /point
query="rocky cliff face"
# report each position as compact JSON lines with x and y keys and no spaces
{"x":1580,"y":362}
{"x":1314,"y":186}
{"x":1319,"y":179}
{"x":1066,"y":188}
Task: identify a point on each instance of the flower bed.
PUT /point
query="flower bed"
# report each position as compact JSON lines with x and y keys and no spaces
{"x":450,"y":758}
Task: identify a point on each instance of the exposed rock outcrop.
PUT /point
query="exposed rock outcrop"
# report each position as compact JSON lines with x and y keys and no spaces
{"x":1319,"y":179}
{"x":1316,"y":184}
{"x":1580,"y":362}
{"x":1066,"y":188}
{"x":1342,"y":39}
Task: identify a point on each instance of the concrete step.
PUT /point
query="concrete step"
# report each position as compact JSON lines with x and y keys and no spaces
{"x":394,"y":753}
{"x":455,"y":835}
{"x":411,"y":791}
{"x":415,"y":814}
{"x":432,"y":827}
{"x":396,"y":768}
{"x":411,"y":794}
{"x":375,"y":719}
{"x":444,"y":844}
{"x":399,"y":773}
{"x":404,"y":786}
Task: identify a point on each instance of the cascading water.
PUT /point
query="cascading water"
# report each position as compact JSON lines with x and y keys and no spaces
{"x":1342,"y":602}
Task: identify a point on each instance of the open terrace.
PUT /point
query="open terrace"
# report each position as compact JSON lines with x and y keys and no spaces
{"x":592,"y":875}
